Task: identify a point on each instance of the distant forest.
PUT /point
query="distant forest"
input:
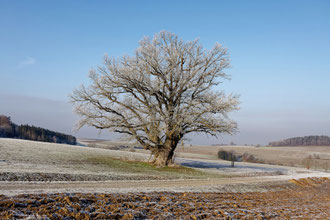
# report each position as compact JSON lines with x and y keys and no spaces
{"x":303,"y":141}
{"x":10,"y":130}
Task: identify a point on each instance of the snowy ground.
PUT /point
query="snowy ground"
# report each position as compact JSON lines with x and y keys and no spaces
{"x":23,"y":156}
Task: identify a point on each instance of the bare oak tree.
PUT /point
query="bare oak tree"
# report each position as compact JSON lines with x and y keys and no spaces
{"x":161,"y":94}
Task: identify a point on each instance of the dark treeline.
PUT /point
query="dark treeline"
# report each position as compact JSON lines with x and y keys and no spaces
{"x":10,"y":130}
{"x":303,"y":141}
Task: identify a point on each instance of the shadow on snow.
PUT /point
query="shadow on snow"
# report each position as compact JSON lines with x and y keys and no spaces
{"x":214,"y":165}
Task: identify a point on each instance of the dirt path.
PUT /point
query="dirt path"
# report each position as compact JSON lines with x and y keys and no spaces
{"x":197,"y":185}
{"x":126,"y":184}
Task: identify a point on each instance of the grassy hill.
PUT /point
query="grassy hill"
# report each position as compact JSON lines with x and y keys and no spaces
{"x":54,"y":162}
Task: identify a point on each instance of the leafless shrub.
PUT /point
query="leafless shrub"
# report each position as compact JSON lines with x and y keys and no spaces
{"x":246,"y":157}
{"x":233,"y":156}
{"x":325,"y":166}
{"x":91,"y":145}
{"x":307,"y":161}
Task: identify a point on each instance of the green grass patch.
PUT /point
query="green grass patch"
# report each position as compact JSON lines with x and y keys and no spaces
{"x":138,"y":167}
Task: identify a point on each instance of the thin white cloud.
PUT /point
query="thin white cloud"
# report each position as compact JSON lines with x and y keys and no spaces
{"x":28,"y":61}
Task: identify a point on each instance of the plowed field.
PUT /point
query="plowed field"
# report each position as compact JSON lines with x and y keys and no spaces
{"x":304,"y":198}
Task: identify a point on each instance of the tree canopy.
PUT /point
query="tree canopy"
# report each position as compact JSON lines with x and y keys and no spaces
{"x":162,"y":93}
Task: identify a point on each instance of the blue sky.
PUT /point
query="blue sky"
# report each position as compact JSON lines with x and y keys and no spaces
{"x":280,"y":57}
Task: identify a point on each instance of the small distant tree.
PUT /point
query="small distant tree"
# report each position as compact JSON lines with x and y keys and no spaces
{"x":316,"y":156}
{"x":230,"y":156}
{"x":325,"y":166}
{"x":159,"y":95}
{"x":315,"y":159}
{"x":307,"y":162}
{"x":7,"y":128}
{"x":222,"y":154}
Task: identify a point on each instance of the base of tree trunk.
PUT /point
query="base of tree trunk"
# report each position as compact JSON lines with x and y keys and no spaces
{"x":163,"y":158}
{"x":161,"y":162}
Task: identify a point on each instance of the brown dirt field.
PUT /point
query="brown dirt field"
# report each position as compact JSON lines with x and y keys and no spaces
{"x":303,"y":199}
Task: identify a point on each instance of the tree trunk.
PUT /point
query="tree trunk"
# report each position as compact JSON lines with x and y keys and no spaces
{"x":164,"y":154}
{"x":163,"y":158}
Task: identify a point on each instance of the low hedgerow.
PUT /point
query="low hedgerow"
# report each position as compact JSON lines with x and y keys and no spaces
{"x":233,"y":156}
